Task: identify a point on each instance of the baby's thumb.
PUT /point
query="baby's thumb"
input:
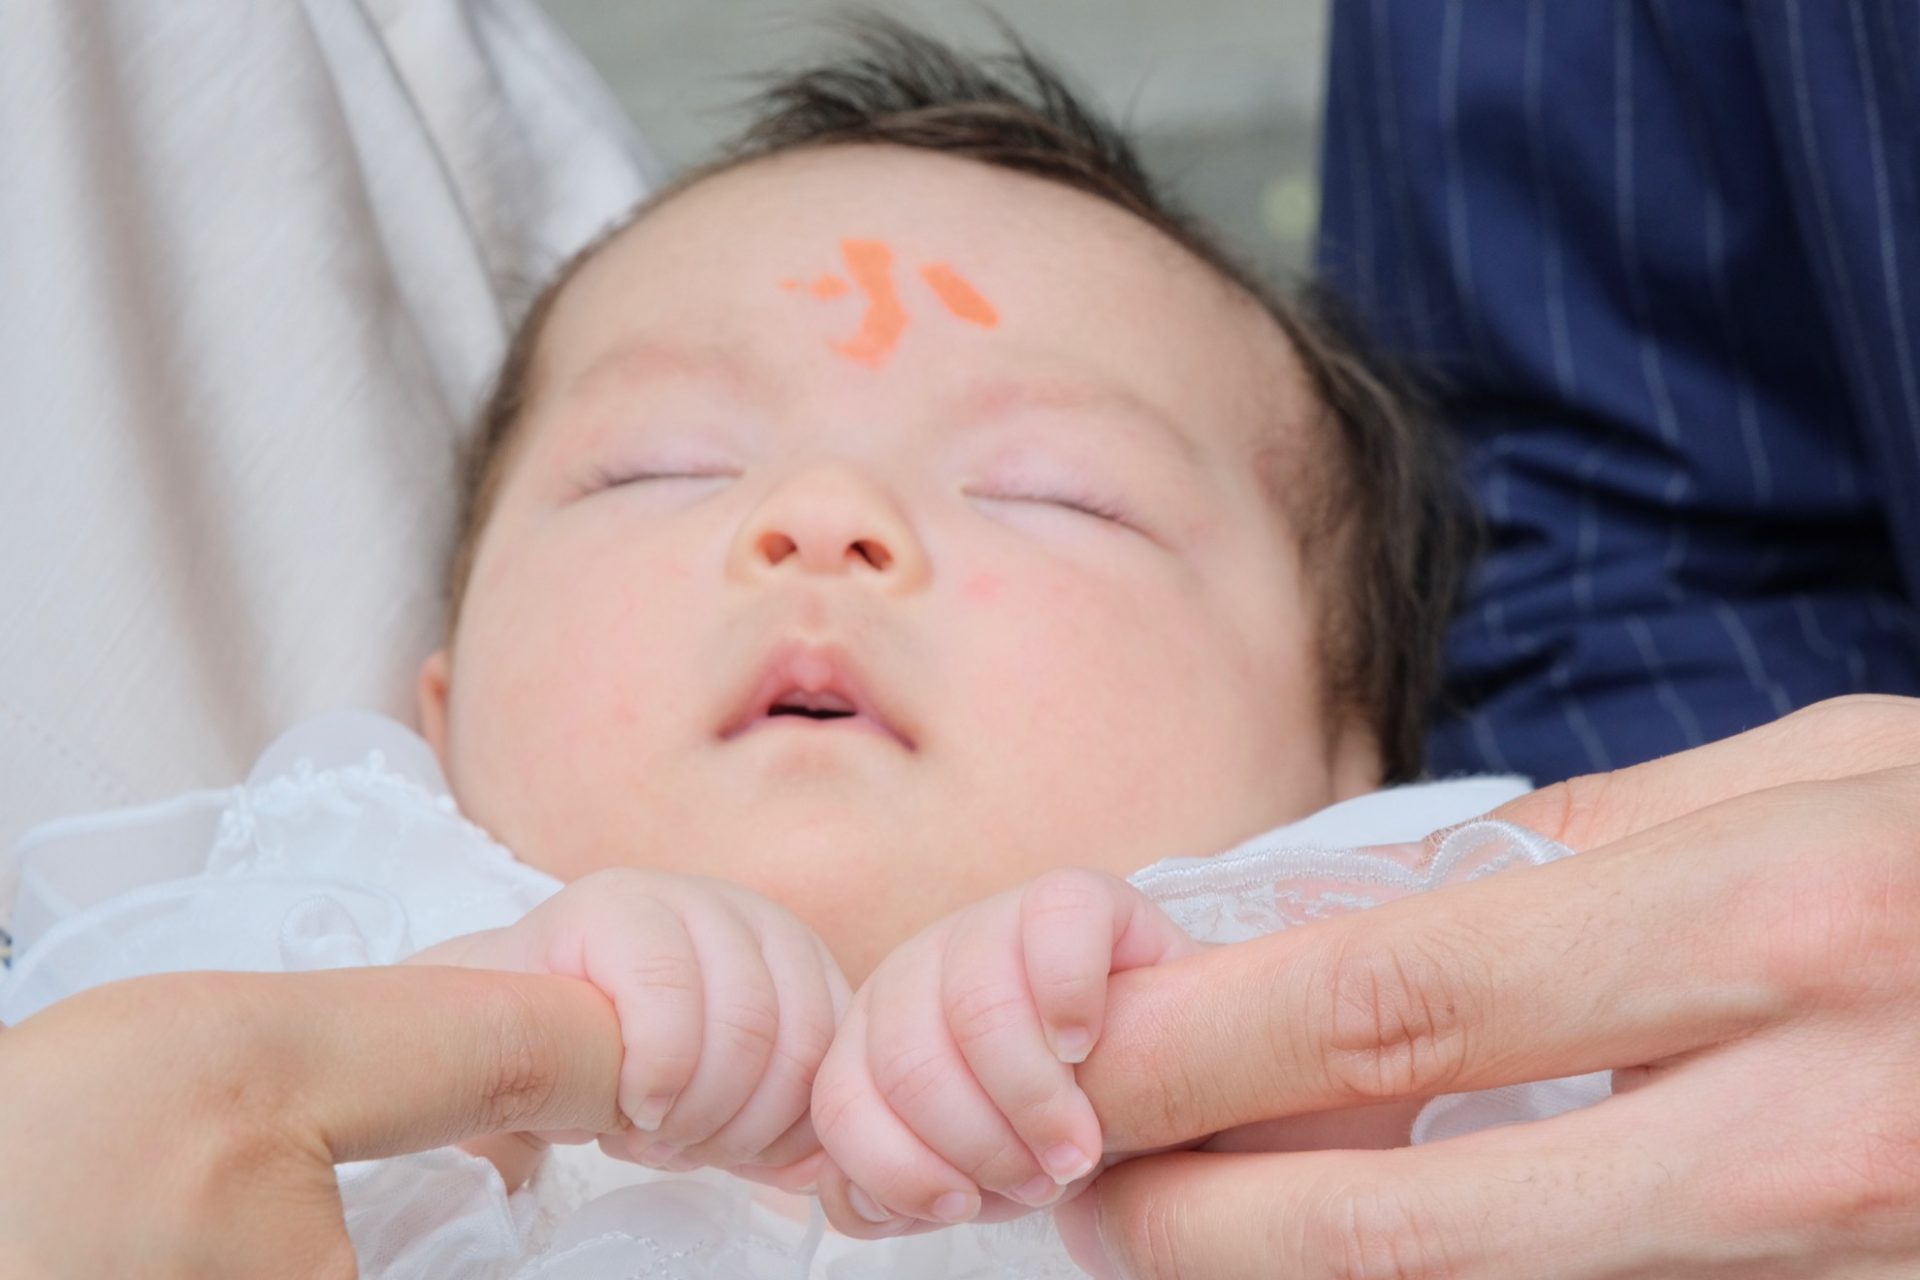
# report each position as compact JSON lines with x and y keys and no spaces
{"x":1076,"y":928}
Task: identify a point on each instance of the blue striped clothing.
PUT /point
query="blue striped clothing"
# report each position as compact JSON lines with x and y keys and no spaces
{"x":1662,"y":260}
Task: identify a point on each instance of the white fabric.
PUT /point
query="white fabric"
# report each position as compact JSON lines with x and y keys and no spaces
{"x":257,"y":264}
{"x":344,"y":848}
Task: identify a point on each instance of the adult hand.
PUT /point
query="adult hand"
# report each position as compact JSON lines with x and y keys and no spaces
{"x":1740,"y":940}
{"x":188,"y":1124}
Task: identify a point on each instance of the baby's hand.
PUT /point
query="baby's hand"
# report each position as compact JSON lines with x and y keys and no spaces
{"x":952,"y":1073}
{"x":726,"y":1002}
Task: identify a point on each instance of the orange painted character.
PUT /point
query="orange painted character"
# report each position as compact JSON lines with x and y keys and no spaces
{"x":870,"y":263}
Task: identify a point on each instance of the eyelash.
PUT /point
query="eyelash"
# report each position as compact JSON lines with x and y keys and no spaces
{"x":1086,"y":506}
{"x":613,"y":479}
{"x":1098,"y":509}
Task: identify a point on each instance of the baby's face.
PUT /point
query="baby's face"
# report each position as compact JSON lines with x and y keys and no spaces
{"x":813,"y":427}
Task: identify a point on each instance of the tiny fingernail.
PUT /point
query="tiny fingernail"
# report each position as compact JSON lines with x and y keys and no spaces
{"x":1066,"y":1162}
{"x":653,"y":1111}
{"x":1039,"y":1193}
{"x":864,"y":1205}
{"x":955,"y":1206}
{"x":1072,"y":1045}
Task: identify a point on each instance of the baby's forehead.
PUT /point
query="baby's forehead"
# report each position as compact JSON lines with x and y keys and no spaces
{"x":880,"y":263}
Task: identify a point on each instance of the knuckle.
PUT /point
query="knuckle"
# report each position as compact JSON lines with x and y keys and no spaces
{"x":748,"y":1025}
{"x":1398,"y":1018}
{"x":1866,"y":1183}
{"x":1066,"y":892}
{"x":1152,"y":1236}
{"x":523,"y":1077}
{"x":834,"y":1095}
{"x":664,"y":973}
{"x":1859,"y":732}
{"x":982,"y":1010}
{"x":1854,"y":1187}
{"x":1376,"y":1233}
{"x":1064,"y":988}
{"x":1573,"y":811}
{"x":909,"y":1076}
{"x":1829,"y":913}
{"x":1003,"y":1168}
{"x":800,"y":1049}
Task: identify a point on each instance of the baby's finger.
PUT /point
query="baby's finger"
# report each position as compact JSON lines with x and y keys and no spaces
{"x":991,"y":1017}
{"x":797,"y":1179}
{"x":836,"y":1192}
{"x":740,"y":1028}
{"x":807,"y":1016}
{"x":796,"y":1146}
{"x":652,"y":971}
{"x":1077,"y":927}
{"x":895,"y":1173}
{"x":924,"y":1080}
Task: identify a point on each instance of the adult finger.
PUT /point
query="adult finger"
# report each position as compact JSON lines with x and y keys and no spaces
{"x":1839,"y":738}
{"x":1590,"y":1195}
{"x":385,"y":1061}
{"x":1690,"y":934}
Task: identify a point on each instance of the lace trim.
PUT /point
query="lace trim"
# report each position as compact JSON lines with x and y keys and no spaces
{"x":345,"y":791}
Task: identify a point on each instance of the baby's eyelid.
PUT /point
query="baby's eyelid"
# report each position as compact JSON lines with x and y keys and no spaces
{"x":612,"y":476}
{"x":1098,"y":508}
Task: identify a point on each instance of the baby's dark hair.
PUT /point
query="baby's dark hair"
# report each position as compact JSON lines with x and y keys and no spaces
{"x":1373,"y":496}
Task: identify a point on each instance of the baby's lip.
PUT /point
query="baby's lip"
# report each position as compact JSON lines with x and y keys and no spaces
{"x":798,"y":667}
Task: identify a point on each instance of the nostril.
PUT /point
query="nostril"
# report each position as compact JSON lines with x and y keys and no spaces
{"x":873,"y":553}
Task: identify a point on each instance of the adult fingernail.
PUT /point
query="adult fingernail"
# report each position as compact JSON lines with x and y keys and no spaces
{"x":1072,"y":1045}
{"x":1039,"y":1193}
{"x":1066,"y":1162}
{"x":864,"y":1205}
{"x":652,"y":1111}
{"x":955,"y":1206}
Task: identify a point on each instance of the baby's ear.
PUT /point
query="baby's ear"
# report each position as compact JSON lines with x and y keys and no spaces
{"x":432,"y":697}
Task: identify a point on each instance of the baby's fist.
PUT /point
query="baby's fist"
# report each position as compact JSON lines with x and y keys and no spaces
{"x":949,"y":1092}
{"x":726,"y":1002}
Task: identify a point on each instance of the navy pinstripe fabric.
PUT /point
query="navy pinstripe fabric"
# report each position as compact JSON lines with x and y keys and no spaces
{"x":1662,"y":258}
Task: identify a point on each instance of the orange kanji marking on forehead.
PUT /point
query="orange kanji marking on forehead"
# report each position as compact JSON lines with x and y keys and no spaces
{"x":960,"y":297}
{"x":870,"y":262}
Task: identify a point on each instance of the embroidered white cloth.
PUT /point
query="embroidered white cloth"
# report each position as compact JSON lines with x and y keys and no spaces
{"x":344,"y":847}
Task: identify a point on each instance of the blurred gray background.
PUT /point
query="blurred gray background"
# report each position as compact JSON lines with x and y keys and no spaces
{"x":1224,"y":95}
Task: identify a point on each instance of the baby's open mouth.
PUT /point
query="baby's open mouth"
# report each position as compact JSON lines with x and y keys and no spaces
{"x":802,"y":681}
{"x":814,"y":706}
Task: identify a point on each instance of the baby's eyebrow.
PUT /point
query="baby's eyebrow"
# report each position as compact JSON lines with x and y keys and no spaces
{"x":986,"y":399}
{"x":651,"y":359}
{"x":1000,"y":397}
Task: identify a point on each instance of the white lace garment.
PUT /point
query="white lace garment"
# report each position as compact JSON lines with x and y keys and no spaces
{"x":345,"y":848}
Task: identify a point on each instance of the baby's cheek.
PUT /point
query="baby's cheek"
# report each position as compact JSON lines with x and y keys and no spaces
{"x":982,"y":588}
{"x":1072,"y":691}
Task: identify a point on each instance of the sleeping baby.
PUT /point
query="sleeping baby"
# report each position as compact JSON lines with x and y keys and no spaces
{"x":882,"y":544}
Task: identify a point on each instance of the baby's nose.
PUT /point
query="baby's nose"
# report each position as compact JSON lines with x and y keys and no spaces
{"x":832,"y":518}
